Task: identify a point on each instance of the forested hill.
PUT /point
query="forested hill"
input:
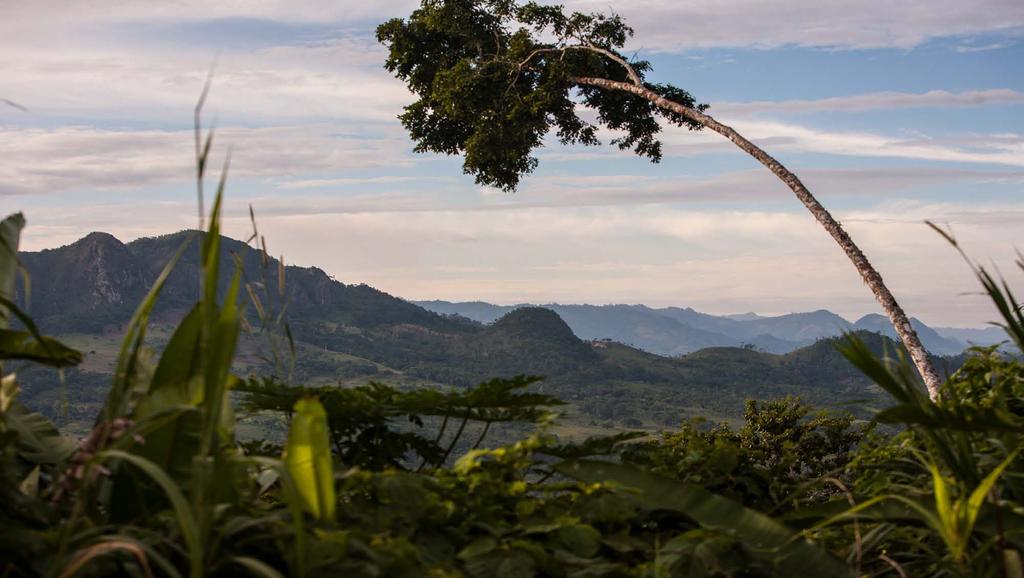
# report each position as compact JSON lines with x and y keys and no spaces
{"x":349,"y":333}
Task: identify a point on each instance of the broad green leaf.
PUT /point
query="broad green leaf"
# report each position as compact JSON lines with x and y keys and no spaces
{"x":39,"y":441}
{"x":30,"y":485}
{"x":582,"y":540}
{"x":794,"y":555}
{"x":307,"y":456}
{"x":40,"y":348}
{"x":977,"y":497}
{"x":174,"y":379}
{"x":176,"y":383}
{"x":218,"y":351}
{"x":478,"y":547}
{"x":943,"y":503}
{"x":48,"y":351}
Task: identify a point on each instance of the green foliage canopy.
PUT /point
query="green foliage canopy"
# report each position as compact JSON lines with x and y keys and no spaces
{"x":494,"y":77}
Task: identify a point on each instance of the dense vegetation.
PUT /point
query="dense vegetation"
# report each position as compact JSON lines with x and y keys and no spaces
{"x":379,"y":481}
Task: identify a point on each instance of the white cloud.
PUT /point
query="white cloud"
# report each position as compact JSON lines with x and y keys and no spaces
{"x":670,"y":25}
{"x":876,"y":100}
{"x":38,"y":161}
{"x":341,"y":79}
{"x":770,"y":261}
{"x":666,"y":25}
{"x":773,"y":135}
{"x":967,"y":48}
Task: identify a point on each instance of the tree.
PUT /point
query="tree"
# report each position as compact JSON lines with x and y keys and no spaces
{"x":494,"y":77}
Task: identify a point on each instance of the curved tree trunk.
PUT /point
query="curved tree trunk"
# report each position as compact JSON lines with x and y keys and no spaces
{"x":871,"y":277}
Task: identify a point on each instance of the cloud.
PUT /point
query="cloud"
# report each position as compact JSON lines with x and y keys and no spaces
{"x":290,"y":159}
{"x":773,"y":135}
{"x":38,"y":161}
{"x":741,"y":186}
{"x":336,"y":79}
{"x":661,"y":25}
{"x":670,"y":25}
{"x":348,"y":181}
{"x":968,"y":48}
{"x":876,"y":100}
{"x":770,"y":261}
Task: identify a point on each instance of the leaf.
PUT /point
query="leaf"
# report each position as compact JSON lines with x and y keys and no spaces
{"x":8,"y":391}
{"x":10,"y":233}
{"x":977,"y":497}
{"x":794,"y":555}
{"x":944,"y":507}
{"x":219,"y":352}
{"x":256,"y":567}
{"x":307,"y":456}
{"x":582,"y":540}
{"x":95,"y":551}
{"x":30,"y":485}
{"x":39,"y":441}
{"x":46,"y":351}
{"x":179,"y":364}
{"x":176,"y":383}
{"x":478,"y":547}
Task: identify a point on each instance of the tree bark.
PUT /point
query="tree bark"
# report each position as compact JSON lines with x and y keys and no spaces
{"x":871,"y":277}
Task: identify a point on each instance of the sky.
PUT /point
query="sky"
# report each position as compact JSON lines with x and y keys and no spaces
{"x":892,"y":112}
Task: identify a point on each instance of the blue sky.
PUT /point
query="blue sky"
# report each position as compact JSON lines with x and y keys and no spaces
{"x":891,"y":112}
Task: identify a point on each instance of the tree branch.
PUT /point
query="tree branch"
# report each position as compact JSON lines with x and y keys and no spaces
{"x":633,"y":76}
{"x":535,"y":53}
{"x":589,"y":47}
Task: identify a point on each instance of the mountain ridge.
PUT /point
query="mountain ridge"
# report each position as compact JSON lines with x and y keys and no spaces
{"x":644,"y":327}
{"x":353,"y":333}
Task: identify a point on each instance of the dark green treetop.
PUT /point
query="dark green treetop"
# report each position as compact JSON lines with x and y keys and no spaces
{"x":493,"y":77}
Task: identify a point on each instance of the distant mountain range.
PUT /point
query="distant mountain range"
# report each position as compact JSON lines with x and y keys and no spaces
{"x":600,"y":359}
{"x":677,"y":331}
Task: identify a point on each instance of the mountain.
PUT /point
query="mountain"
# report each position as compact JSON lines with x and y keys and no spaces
{"x":95,"y":284}
{"x":352,"y":333}
{"x":635,"y":325}
{"x":476,"y":310}
{"x":983,"y":337}
{"x":931,"y":339}
{"x":678,"y":330}
{"x":748,"y":316}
